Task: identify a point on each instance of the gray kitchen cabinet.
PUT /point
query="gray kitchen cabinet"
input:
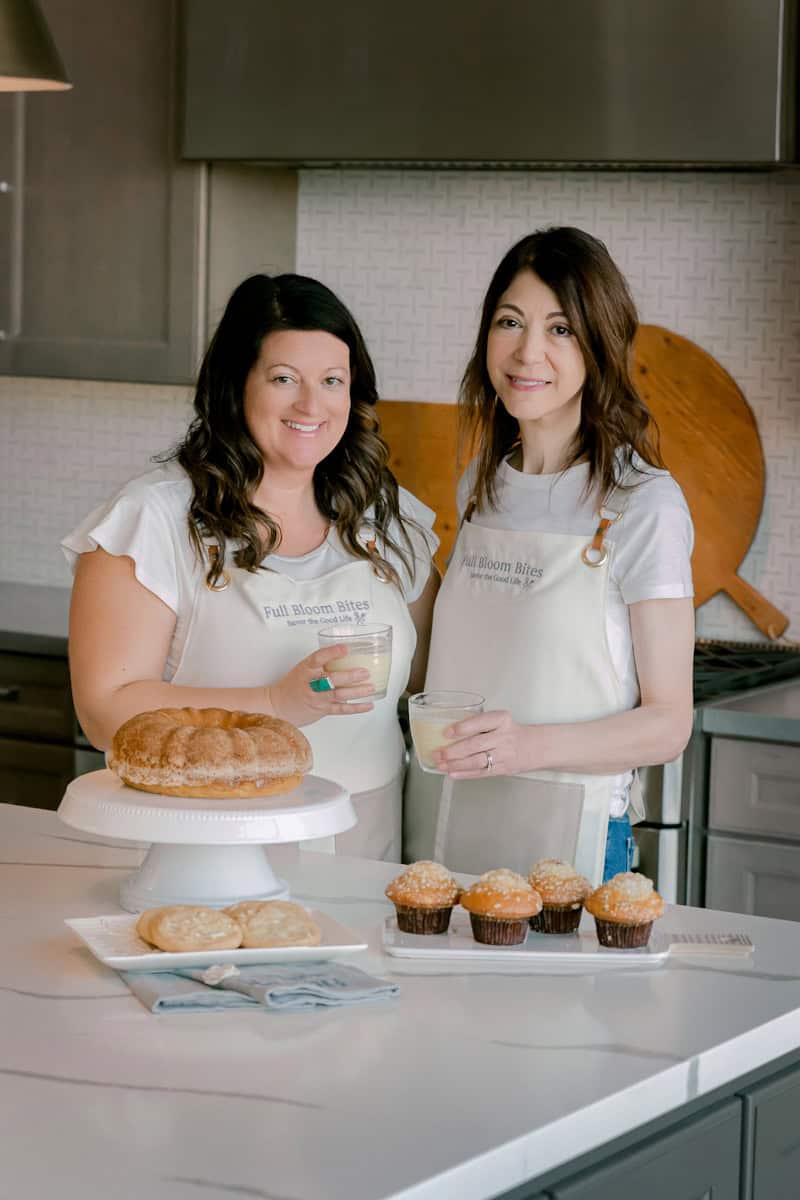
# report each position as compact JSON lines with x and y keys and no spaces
{"x":754,"y":787}
{"x":41,"y":746}
{"x":772,"y":1138}
{"x":102,"y":229}
{"x":697,"y":1160}
{"x":749,"y":876}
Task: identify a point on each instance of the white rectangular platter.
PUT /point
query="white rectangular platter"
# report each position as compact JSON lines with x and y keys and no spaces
{"x":546,"y":952}
{"x":115,"y":942}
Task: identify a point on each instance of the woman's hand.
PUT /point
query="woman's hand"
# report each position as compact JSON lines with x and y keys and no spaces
{"x":293,"y":698}
{"x":490,"y":744}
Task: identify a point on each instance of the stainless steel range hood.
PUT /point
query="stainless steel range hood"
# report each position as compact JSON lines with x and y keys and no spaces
{"x":441,"y":83}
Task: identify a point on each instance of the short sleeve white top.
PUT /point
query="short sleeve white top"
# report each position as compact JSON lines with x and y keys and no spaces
{"x":652,"y":543}
{"x":147,"y":520}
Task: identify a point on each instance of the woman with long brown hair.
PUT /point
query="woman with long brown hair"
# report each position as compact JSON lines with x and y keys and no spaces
{"x":567,"y":599}
{"x":205,"y":582}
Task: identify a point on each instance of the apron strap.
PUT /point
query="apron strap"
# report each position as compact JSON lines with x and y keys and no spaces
{"x":595,"y":552}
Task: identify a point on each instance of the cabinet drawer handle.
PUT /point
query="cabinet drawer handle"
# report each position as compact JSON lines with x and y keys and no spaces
{"x":11,"y":692}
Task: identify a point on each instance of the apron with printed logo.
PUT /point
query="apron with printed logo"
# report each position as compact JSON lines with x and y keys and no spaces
{"x":521,"y":619}
{"x":252,"y":631}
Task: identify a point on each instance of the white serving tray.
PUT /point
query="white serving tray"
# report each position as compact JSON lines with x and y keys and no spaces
{"x":546,"y":952}
{"x":114,"y":941}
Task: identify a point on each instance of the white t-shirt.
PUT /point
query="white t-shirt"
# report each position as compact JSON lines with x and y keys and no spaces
{"x":148,"y":521}
{"x":652,"y":544}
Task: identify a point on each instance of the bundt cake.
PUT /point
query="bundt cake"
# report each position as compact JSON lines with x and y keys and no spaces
{"x":209,"y":753}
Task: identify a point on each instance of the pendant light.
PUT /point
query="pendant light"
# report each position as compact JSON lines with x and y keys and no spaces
{"x":29,"y":60}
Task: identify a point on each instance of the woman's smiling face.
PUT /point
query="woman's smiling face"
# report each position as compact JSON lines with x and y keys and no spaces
{"x":532,"y":355}
{"x":297,"y":397}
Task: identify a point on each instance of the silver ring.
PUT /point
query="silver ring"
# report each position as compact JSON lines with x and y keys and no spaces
{"x":489,"y":761}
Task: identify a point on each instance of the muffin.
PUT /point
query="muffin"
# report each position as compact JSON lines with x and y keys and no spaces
{"x":624,"y":910}
{"x":563,"y":892}
{"x":423,"y":897}
{"x":499,"y":906}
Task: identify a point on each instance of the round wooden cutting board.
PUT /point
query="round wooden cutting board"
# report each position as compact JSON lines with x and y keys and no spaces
{"x":710,"y":443}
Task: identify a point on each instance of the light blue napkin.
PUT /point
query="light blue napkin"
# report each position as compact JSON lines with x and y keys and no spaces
{"x":293,"y":987}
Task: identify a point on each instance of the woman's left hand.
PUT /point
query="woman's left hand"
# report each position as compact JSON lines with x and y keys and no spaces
{"x":489,"y":744}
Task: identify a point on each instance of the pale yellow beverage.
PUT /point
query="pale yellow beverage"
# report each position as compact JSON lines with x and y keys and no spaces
{"x":430,"y":714}
{"x":378,"y":663}
{"x":369,"y":647}
{"x":428,"y":735}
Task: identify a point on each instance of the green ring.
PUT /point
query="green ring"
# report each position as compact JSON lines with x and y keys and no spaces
{"x":321,"y":685}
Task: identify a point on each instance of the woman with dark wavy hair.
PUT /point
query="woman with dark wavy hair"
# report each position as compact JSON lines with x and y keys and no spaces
{"x":573,"y":564}
{"x":205,"y":582}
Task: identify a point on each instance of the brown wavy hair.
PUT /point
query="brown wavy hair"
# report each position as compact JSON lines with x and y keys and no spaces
{"x":614,"y":422}
{"x":225,"y":465}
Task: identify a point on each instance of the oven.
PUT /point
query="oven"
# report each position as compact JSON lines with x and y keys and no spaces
{"x":670,"y":845}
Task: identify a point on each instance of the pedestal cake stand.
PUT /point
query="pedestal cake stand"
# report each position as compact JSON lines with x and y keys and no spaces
{"x":211,"y":852}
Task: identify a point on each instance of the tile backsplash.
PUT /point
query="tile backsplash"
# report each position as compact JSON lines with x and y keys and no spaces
{"x":715,"y":257}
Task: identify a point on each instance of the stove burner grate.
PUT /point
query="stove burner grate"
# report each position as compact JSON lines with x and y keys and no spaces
{"x":721,"y":668}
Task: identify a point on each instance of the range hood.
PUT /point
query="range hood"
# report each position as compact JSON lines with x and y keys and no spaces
{"x":684,"y":83}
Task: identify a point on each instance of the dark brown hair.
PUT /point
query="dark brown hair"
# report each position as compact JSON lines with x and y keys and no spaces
{"x":225,"y":465}
{"x":598,"y":306}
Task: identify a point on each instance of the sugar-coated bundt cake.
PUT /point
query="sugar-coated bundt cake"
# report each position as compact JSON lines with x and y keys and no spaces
{"x":209,"y":752}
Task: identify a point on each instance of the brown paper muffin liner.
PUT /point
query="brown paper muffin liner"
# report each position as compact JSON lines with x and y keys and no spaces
{"x":423,"y":920}
{"x":499,"y":931}
{"x":557,"y":919}
{"x":622,"y":937}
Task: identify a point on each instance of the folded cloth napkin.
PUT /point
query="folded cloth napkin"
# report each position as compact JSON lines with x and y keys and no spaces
{"x":292,"y":987}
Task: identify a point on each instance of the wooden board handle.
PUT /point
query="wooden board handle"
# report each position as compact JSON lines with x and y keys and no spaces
{"x":769,"y":619}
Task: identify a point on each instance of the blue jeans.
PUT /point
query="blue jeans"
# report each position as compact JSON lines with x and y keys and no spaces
{"x":619,"y":847}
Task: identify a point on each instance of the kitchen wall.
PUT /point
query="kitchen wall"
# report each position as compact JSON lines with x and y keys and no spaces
{"x":715,"y":257}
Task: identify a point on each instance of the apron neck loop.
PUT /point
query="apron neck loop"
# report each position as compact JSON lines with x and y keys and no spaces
{"x":595,"y":552}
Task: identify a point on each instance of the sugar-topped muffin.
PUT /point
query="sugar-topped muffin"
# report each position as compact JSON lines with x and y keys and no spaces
{"x":563,"y":892}
{"x":624,"y":910}
{"x":423,"y":896}
{"x":499,"y":906}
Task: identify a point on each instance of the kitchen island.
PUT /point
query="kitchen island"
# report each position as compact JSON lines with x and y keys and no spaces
{"x":469,"y":1084}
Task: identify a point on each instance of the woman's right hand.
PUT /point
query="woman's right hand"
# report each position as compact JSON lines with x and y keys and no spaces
{"x":293,"y":699}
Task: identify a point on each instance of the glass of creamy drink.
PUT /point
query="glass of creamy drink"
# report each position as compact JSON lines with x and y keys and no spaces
{"x":368,"y":647}
{"x":430,"y":713}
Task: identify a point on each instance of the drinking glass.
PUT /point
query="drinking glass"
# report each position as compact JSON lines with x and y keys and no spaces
{"x":430,"y":713}
{"x":368,"y":646}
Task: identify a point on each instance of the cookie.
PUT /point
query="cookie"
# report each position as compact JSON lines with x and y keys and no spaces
{"x":182,"y":927}
{"x":274,"y":923}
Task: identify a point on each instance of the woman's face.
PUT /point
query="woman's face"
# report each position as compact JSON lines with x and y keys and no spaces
{"x":532,"y":356}
{"x":297,"y":397}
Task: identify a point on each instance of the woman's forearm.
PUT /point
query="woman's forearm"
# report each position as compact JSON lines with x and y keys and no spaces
{"x":101,"y":718}
{"x":653,"y":733}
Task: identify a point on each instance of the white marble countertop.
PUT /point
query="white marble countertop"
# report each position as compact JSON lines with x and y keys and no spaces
{"x":465,"y":1085}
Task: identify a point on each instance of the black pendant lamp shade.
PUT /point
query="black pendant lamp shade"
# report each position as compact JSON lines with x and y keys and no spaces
{"x":29,"y":60}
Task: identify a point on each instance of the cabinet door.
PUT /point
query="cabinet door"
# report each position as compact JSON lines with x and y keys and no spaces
{"x":754,"y":787}
{"x":35,"y":698}
{"x":33,"y":773}
{"x":108,"y":281}
{"x":697,"y":1161}
{"x":772,"y":1116}
{"x":762,"y":878}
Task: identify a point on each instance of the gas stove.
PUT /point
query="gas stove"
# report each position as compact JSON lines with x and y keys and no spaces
{"x":722,"y":668}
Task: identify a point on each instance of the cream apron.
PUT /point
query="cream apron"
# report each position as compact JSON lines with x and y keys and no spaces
{"x":250,"y":633}
{"x":521,"y":619}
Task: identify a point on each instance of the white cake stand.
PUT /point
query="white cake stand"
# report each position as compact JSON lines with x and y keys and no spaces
{"x":210,"y":852}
